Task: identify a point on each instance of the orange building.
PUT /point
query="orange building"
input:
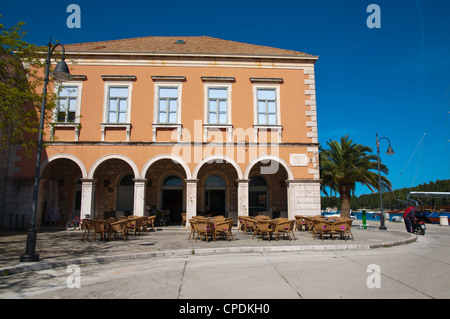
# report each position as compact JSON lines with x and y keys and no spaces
{"x":185,"y":124}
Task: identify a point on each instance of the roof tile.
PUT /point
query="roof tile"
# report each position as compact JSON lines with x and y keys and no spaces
{"x":190,"y":45}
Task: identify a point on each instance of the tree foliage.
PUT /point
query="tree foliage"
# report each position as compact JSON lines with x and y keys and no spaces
{"x":21,"y":78}
{"x":392,"y":200}
{"x":346,"y":163}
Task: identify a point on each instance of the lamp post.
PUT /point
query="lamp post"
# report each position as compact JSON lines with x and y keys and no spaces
{"x":389,"y":151}
{"x":61,"y":74}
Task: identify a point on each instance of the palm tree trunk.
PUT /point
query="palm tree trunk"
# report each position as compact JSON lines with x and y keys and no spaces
{"x":344,"y":192}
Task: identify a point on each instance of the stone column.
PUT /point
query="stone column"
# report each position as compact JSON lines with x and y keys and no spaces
{"x":191,"y":199}
{"x":139,"y":196}
{"x":243,"y":209}
{"x":303,"y":198}
{"x":87,"y":195}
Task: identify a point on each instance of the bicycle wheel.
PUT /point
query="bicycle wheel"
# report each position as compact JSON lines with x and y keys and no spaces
{"x":72,"y":224}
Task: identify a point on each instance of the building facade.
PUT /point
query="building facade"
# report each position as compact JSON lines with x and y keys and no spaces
{"x":185,"y":124}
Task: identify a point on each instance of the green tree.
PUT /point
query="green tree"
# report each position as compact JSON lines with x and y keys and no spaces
{"x":344,"y":164}
{"x":21,"y":78}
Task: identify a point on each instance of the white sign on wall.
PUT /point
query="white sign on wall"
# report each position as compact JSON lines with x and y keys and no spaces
{"x":298,"y":159}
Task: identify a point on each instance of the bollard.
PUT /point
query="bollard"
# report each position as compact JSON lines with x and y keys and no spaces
{"x":364,"y":219}
{"x":443,"y":220}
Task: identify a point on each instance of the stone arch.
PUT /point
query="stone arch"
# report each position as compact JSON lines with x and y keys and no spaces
{"x":71,"y":157}
{"x":268,"y":158}
{"x":174,"y":158}
{"x":57,"y":201}
{"x":114,"y":156}
{"x":214,"y":158}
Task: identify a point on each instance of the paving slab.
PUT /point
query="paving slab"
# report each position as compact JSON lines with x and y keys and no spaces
{"x":58,"y":248}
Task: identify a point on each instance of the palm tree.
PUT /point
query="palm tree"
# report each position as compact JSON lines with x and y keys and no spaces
{"x":346,"y":163}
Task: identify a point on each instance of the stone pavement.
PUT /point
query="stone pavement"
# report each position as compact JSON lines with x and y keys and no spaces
{"x":59,"y":248}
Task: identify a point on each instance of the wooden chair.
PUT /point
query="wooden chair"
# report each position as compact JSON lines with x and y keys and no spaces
{"x":223,"y":228}
{"x":205,"y":228}
{"x":300,"y":223}
{"x":241,"y":223}
{"x":102,"y":228}
{"x":285,"y":227}
{"x":265,"y":227}
{"x":348,"y":229}
{"x":218,"y":218}
{"x":88,"y":227}
{"x":194,"y":230}
{"x":199,"y":217}
{"x":151,"y":222}
{"x":250,"y":225}
{"x":343,"y":227}
{"x":309,"y":224}
{"x":183,"y":219}
{"x":120,"y":227}
{"x":135,"y":224}
{"x":144,"y":223}
{"x":323,"y":227}
{"x":280,"y":219}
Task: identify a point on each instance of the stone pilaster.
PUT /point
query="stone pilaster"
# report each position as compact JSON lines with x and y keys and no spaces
{"x":87,"y":194}
{"x":311,"y":112}
{"x":139,"y":196}
{"x":191,"y":199}
{"x":303,"y":198}
{"x":243,"y":209}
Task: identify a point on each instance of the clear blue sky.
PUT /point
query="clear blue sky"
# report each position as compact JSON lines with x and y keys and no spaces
{"x":394,"y":80}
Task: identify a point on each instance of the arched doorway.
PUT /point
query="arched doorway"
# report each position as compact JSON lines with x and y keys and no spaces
{"x":114,"y":186}
{"x":268,"y":188}
{"x":58,"y":200}
{"x":172,"y":197}
{"x":215,"y":195}
{"x":125,"y":194}
{"x":258,"y":197}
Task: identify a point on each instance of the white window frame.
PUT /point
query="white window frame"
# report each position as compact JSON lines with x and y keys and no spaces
{"x":206,"y":124}
{"x":79,"y":86}
{"x":105,"y":124}
{"x":156,"y":124}
{"x":76,"y":123}
{"x":206,"y":94}
{"x":272,"y":127}
{"x":106,"y":100}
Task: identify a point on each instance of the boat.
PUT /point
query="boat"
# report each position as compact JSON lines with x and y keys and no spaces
{"x":433,"y":206}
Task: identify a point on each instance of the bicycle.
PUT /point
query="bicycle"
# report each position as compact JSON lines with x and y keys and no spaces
{"x":74,"y":223}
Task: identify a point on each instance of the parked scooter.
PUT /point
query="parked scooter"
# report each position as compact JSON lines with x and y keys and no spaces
{"x":419,"y":227}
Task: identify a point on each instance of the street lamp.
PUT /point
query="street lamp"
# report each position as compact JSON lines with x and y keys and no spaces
{"x":389,"y":151}
{"x":61,"y":74}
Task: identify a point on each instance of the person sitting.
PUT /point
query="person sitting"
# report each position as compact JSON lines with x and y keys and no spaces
{"x":207,"y":212}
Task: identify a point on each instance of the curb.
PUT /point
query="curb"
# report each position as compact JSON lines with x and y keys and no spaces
{"x":44,"y":265}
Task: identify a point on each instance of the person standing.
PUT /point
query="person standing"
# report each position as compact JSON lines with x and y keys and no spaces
{"x":408,"y":217}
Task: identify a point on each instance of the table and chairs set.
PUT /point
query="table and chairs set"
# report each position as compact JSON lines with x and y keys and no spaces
{"x":328,"y":226}
{"x":220,"y":227}
{"x":211,"y":227}
{"x":112,"y":227}
{"x":262,"y":226}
